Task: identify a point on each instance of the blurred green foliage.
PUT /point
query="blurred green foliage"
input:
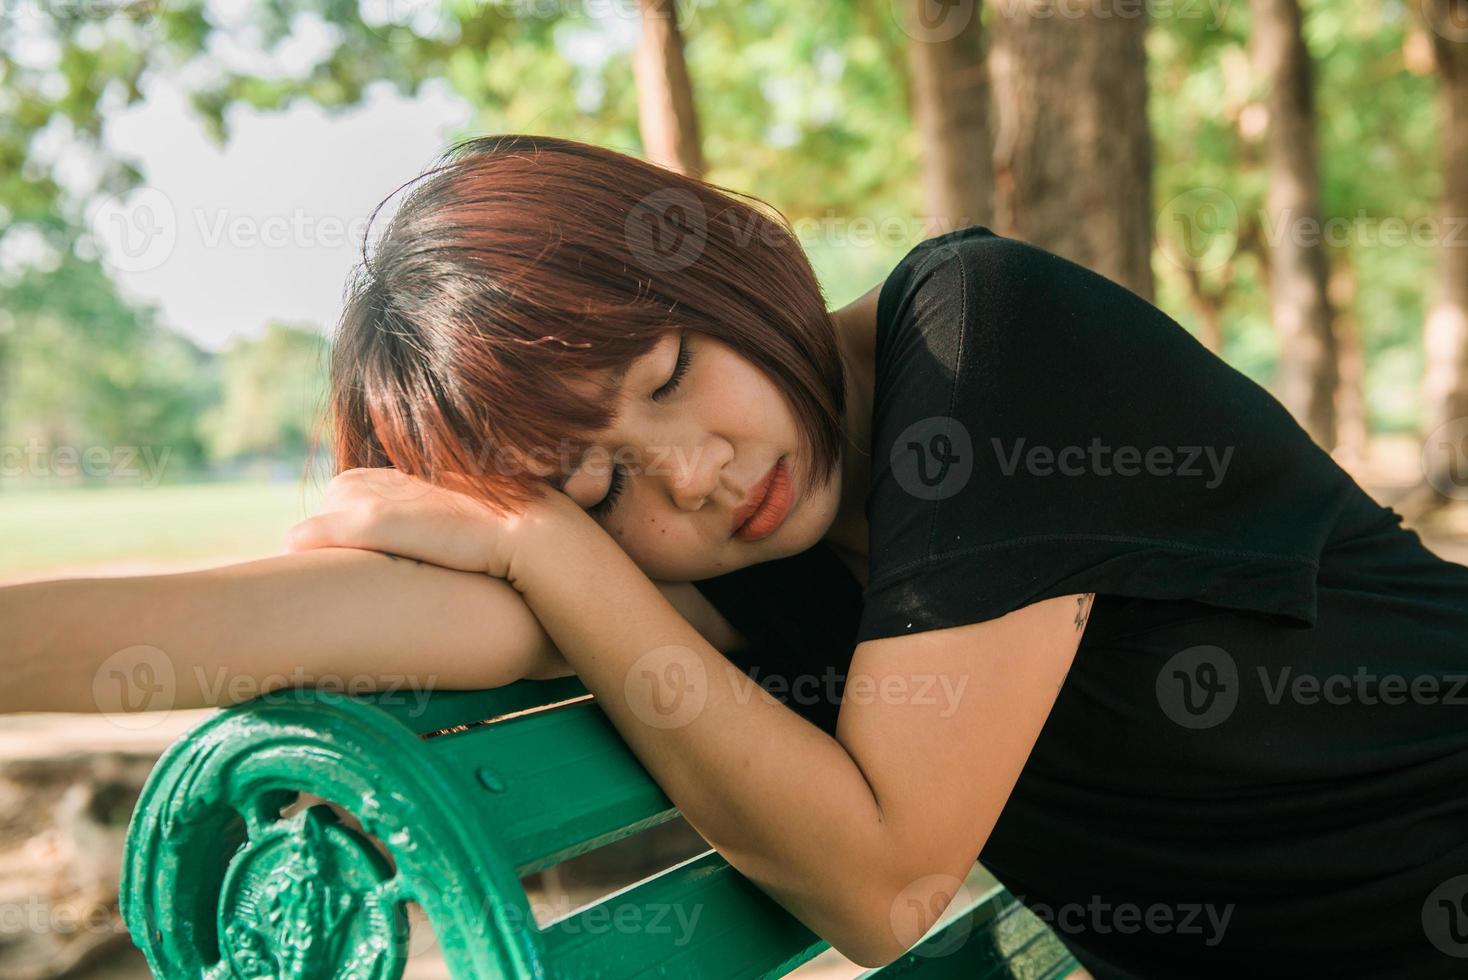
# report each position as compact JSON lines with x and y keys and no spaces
{"x":86,"y":369}
{"x":803,"y":105}
{"x":1378,"y":150}
{"x":271,"y":395}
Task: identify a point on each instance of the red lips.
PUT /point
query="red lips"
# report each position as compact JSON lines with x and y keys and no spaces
{"x":766,"y":504}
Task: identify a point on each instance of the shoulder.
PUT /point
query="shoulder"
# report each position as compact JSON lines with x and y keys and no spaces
{"x":999,"y":274}
{"x":971,"y":293}
{"x":974,"y":250}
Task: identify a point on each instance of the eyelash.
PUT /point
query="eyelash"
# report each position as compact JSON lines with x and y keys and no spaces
{"x":679,"y":369}
{"x":619,"y":475}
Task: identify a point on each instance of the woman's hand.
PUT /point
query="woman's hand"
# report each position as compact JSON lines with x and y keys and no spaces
{"x":382,"y":509}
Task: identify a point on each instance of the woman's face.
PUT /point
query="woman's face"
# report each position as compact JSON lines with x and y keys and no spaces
{"x":697,"y":433}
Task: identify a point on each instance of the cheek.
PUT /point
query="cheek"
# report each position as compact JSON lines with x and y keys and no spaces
{"x":662,"y":547}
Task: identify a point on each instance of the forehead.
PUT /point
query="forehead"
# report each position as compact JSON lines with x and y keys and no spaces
{"x":585,"y":382}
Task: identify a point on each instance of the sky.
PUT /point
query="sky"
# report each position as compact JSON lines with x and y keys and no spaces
{"x":225,"y":239}
{"x":221,"y":240}
{"x":267,"y":227}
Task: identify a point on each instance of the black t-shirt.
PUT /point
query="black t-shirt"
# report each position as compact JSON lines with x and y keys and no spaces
{"x":1259,"y":759}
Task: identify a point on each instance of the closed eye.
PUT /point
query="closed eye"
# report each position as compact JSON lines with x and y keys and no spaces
{"x":680,"y":368}
{"x":603,"y":507}
{"x":618,"y":482}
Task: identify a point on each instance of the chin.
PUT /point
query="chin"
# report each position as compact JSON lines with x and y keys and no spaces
{"x":788,"y":540}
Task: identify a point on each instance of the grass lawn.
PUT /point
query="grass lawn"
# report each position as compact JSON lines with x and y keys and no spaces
{"x":40,"y":530}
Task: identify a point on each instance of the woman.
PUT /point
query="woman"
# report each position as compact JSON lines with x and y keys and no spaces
{"x":1043,"y":580}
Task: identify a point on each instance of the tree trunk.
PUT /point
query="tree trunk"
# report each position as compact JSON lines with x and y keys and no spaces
{"x":5,"y":436}
{"x":1299,"y":268}
{"x":1208,"y":304}
{"x":1353,"y":433}
{"x":667,"y":116}
{"x":1073,"y":147}
{"x":1445,"y":334}
{"x":950,"y":105}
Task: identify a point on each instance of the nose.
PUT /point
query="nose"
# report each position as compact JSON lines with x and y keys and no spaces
{"x":694,"y":471}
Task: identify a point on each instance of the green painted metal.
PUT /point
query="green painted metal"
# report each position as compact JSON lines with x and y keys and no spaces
{"x":466,"y":792}
{"x":699,"y":920}
{"x":430,"y":711}
{"x":553,"y":785}
{"x":217,"y":794}
{"x":995,"y":937}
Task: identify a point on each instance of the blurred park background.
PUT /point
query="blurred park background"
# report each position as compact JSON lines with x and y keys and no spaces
{"x":184,"y":186}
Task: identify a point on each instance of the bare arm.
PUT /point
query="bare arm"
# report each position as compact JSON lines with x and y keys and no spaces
{"x":331,"y":616}
{"x":933,"y":732}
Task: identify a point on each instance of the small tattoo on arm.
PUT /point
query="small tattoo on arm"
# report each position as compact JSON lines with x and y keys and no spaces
{"x":1083,"y":609}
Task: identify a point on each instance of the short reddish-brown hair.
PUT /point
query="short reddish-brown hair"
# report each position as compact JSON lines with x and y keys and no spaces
{"x":518,"y":263}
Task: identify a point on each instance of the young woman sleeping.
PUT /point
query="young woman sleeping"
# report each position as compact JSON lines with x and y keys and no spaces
{"x":1026,"y":575}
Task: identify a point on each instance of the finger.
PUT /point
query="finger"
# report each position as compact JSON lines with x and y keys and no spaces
{"x":313,"y":532}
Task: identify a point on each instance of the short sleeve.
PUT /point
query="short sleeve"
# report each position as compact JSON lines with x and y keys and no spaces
{"x":1041,"y":430}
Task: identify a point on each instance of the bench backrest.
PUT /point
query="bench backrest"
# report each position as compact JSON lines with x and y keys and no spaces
{"x":468,"y":792}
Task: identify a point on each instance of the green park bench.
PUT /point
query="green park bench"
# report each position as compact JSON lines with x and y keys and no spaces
{"x":468,"y":791}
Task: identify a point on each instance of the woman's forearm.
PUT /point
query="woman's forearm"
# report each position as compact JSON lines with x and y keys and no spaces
{"x":334,"y":618}
{"x":773,"y":793}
